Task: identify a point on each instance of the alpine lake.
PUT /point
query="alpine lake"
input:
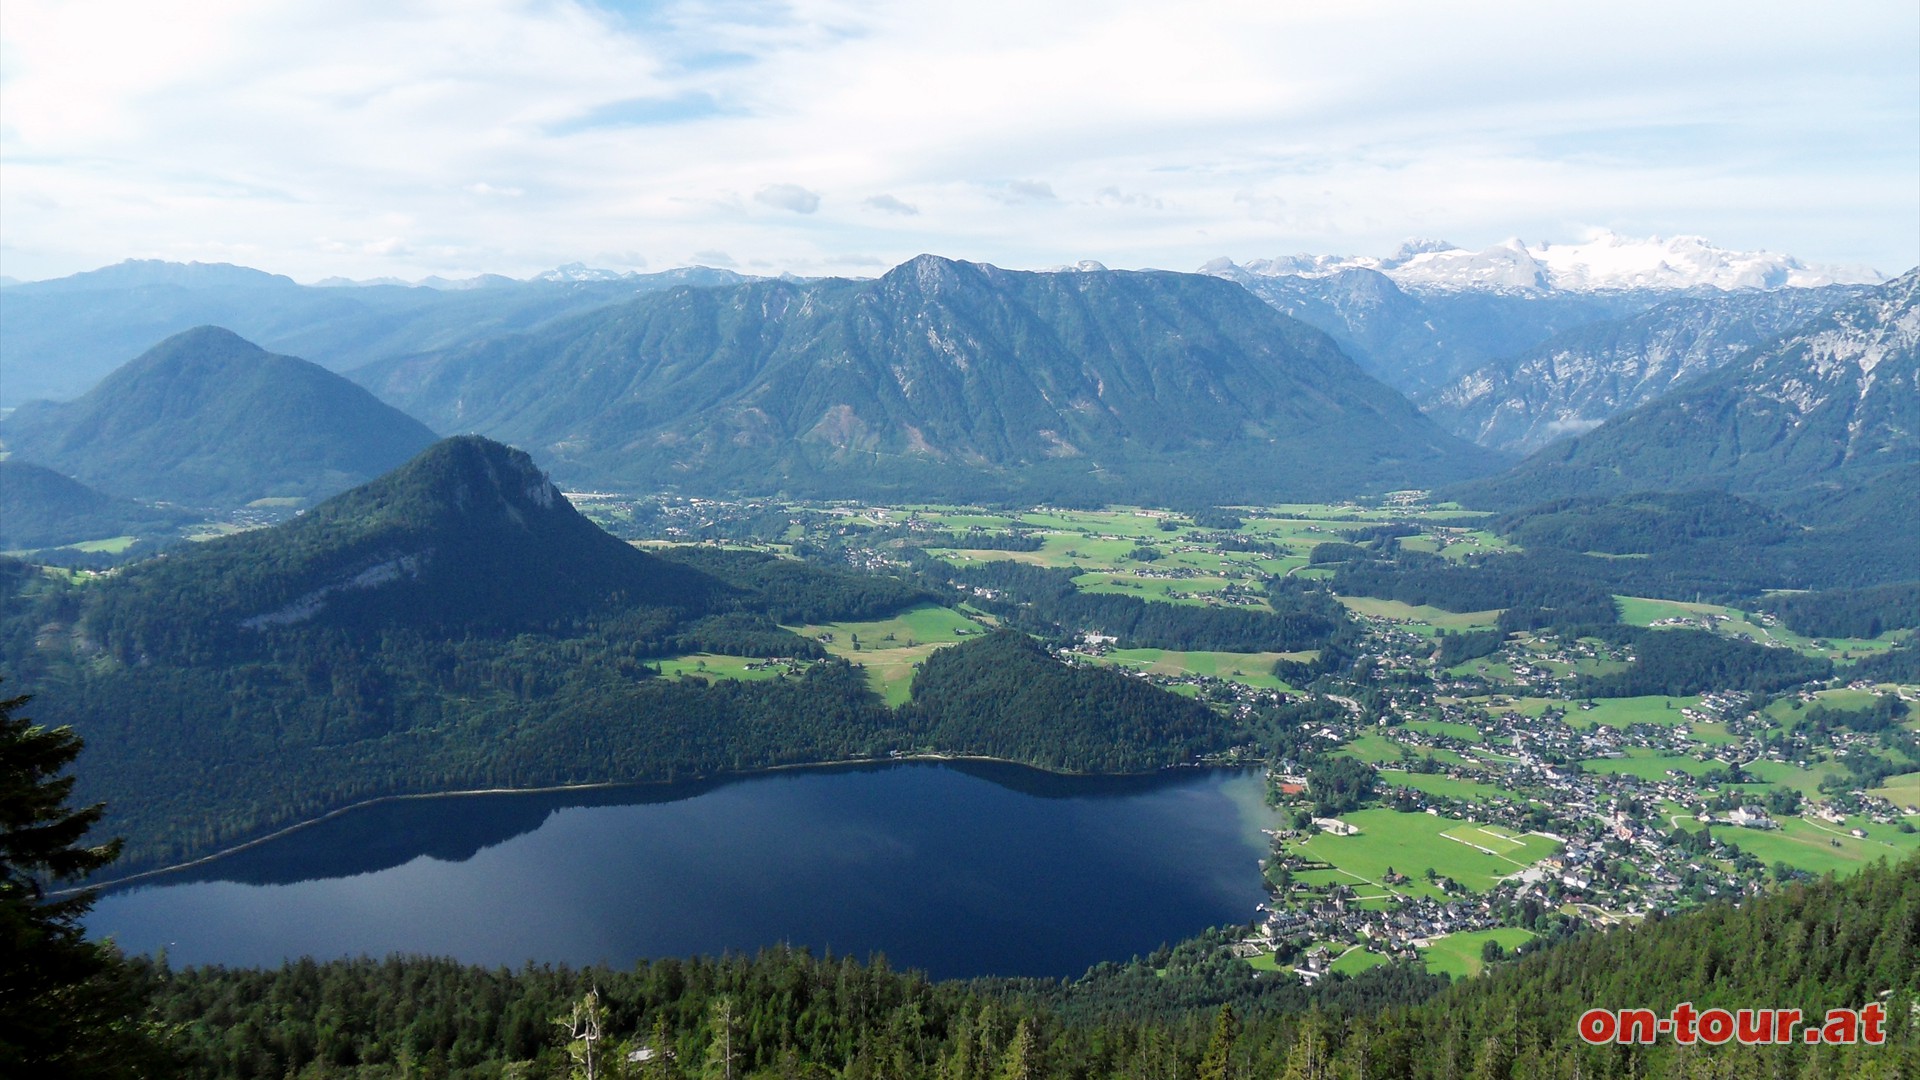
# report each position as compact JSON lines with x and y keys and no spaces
{"x":954,"y":868}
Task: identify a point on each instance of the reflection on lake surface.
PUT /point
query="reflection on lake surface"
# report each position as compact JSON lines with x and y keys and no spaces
{"x":955,"y":868}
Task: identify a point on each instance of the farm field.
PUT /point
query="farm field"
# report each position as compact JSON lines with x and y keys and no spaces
{"x":1628,"y":711}
{"x":1356,"y":960}
{"x":1458,"y":955}
{"x":1820,"y":847}
{"x":1250,"y":669}
{"x":1650,"y":765}
{"x":1448,"y":728}
{"x":720,"y":666}
{"x":1732,"y":622}
{"x":1424,"y":618}
{"x":891,"y":649}
{"x":1902,"y":790}
{"x":1805,"y":781}
{"x":1475,"y":856}
{"x":1444,"y":786}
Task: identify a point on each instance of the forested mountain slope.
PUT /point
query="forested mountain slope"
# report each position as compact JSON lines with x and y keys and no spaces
{"x":41,"y":508}
{"x":206,"y":418}
{"x":941,"y":379}
{"x":1833,"y":404}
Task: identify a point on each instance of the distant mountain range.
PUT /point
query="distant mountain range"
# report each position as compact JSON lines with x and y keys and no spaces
{"x":941,"y":379}
{"x":1603,"y":262}
{"x":62,"y":336}
{"x":1418,"y":341}
{"x":1578,"y":378}
{"x":1829,"y":407}
{"x":206,"y":418}
{"x":1510,"y":348}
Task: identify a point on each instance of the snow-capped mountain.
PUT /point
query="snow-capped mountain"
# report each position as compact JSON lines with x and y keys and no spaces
{"x":1835,"y":402}
{"x":1603,"y":261}
{"x":1577,"y":379}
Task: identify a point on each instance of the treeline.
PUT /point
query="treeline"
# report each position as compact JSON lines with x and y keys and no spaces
{"x":1898,"y":664}
{"x":1677,"y":662}
{"x":1191,"y":1011}
{"x":1045,"y":601}
{"x":1854,"y":613}
{"x":1467,"y":645}
{"x":1534,"y":592}
{"x":1644,"y":524}
{"x":1003,"y":695}
{"x":795,"y":592}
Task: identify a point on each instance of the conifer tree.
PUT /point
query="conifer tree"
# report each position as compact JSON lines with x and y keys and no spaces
{"x":68,"y":1006}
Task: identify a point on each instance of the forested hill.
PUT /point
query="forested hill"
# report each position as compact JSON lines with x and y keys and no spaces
{"x":1189,"y":1012}
{"x":206,"y":418}
{"x":41,"y":508}
{"x":942,"y":379}
{"x":470,"y":534}
{"x":457,"y":624}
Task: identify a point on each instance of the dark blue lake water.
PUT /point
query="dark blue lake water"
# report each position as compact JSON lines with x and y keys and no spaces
{"x":956,"y":869}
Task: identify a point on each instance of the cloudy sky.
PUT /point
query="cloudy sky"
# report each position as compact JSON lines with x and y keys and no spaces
{"x":373,"y":138}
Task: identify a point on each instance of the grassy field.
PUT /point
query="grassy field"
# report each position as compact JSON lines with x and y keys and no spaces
{"x":718,"y":666}
{"x":1458,"y":955}
{"x":1628,"y":711}
{"x":113,"y":545}
{"x":1374,"y":749}
{"x":1821,"y":847}
{"x":1354,"y":961}
{"x":1732,"y":622}
{"x":1649,"y":765}
{"x":1425,"y":618}
{"x":1251,"y":669}
{"x":1902,"y":790}
{"x":890,"y":649}
{"x":1805,"y":781}
{"x":1448,"y":728}
{"x":1411,"y":843}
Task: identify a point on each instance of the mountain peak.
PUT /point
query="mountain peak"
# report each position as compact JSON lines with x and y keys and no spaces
{"x":207,"y":417}
{"x":471,"y":480}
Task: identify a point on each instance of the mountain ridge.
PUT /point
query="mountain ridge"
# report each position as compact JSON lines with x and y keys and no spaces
{"x":940,"y":377}
{"x":1836,"y":401}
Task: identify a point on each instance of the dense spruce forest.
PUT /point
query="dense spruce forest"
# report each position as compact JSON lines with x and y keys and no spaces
{"x":1007,"y":689}
{"x":1190,"y":1011}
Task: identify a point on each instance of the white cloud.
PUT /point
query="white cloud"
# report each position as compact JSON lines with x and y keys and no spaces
{"x":788,"y":197}
{"x":887,"y":204}
{"x":510,"y":136}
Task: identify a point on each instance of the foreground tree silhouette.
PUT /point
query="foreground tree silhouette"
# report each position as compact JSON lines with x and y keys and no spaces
{"x":68,"y":1006}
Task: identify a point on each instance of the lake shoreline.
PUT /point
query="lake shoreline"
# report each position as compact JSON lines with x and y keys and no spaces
{"x":604,"y":785}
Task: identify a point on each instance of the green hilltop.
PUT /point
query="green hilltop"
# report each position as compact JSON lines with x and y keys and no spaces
{"x":206,"y":418}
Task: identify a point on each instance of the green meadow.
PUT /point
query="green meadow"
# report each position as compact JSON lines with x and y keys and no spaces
{"x":719,"y":666}
{"x":1458,"y":955}
{"x":1250,"y":669}
{"x":890,"y":650}
{"x":1821,"y":847}
{"x":1476,"y":856}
